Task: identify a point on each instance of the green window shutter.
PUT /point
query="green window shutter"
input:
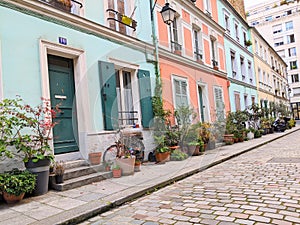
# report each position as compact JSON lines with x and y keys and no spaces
{"x":108,"y":95}
{"x":145,"y":95}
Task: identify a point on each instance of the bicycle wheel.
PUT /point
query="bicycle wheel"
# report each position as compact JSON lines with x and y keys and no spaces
{"x":110,"y":153}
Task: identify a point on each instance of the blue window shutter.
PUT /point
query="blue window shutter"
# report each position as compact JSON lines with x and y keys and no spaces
{"x":108,"y":95}
{"x":145,"y":95}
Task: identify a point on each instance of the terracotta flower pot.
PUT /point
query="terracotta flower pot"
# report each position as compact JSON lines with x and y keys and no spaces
{"x":162,"y":157}
{"x":10,"y":199}
{"x":117,"y":173}
{"x":95,"y":158}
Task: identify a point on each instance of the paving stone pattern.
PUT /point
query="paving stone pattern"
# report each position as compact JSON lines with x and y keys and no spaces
{"x":249,"y":189}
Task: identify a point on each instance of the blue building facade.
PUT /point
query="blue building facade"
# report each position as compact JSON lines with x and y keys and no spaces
{"x":239,"y":57}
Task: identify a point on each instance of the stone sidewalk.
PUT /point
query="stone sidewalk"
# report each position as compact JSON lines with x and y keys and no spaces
{"x":76,"y":205}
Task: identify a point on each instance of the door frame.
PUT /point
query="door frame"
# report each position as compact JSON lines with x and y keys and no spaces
{"x":81,"y":90}
{"x":205,"y":100}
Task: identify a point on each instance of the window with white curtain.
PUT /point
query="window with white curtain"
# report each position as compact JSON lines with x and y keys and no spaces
{"x":180,"y":92}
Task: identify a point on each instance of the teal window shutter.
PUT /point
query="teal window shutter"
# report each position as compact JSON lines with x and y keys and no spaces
{"x":109,"y":95}
{"x":145,"y":97}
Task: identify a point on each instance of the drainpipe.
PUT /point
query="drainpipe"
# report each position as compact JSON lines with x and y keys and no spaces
{"x":155,"y":43}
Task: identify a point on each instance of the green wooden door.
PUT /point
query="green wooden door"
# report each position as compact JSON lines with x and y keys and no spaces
{"x":62,"y":93}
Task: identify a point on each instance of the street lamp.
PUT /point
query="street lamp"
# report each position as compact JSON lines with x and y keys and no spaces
{"x":167,"y":14}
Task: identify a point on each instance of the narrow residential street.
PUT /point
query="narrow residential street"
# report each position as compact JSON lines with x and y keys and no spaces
{"x":259,"y":187}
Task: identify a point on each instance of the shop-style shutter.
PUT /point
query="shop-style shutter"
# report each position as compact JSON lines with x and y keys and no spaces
{"x":108,"y":95}
{"x":145,"y":95}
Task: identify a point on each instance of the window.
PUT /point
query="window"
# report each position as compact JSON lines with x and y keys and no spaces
{"x":244,"y":37}
{"x":278,"y":41}
{"x":243,"y":68}
{"x":296,"y":91}
{"x":237,"y":101}
{"x":227,"y":23}
{"x":174,"y":42}
{"x":207,"y":7}
{"x":288,"y":12}
{"x":197,"y":45}
{"x":293,"y":65}
{"x":289,"y":25}
{"x":124,"y":96}
{"x":250,"y":75}
{"x":292,"y":51}
{"x":236,"y":30}
{"x":181,"y":92}
{"x":253,"y":100}
{"x":246,"y":101}
{"x":291,"y":38}
{"x":295,"y":78}
{"x":256,"y":46}
{"x":213,"y":51}
{"x":268,"y":18}
{"x":74,"y":8}
{"x":277,"y":28}
{"x":119,"y":6}
{"x":233,"y":63}
{"x":219,"y":101}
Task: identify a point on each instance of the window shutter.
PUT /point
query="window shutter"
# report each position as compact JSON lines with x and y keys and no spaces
{"x":219,"y":102}
{"x":145,"y":97}
{"x":108,"y":95}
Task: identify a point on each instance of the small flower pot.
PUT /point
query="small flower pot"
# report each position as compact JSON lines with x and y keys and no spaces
{"x":95,"y":158}
{"x":59,"y":179}
{"x":117,"y":173}
{"x":162,"y":157}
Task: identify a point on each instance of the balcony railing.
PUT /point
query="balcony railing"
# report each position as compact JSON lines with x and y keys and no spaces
{"x":72,"y":7}
{"x":175,"y":46}
{"x":120,"y":18}
{"x":198,"y":54}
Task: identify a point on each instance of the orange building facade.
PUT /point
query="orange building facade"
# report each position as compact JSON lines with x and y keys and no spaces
{"x":191,"y":59}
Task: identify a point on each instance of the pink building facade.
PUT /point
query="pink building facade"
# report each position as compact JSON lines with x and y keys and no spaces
{"x":192,"y":60}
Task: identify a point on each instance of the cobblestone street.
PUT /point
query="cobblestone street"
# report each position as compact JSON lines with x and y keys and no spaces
{"x":259,"y":187}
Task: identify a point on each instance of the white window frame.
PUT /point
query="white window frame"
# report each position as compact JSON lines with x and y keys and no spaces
{"x":215,"y":100}
{"x":250,"y":72}
{"x":199,"y":43}
{"x":233,"y":63}
{"x":290,"y":27}
{"x":236,"y":31}
{"x":181,"y":79}
{"x":207,"y":6}
{"x":227,"y":23}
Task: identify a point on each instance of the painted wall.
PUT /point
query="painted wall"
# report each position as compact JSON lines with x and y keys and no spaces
{"x":21,"y":60}
{"x":194,"y":77}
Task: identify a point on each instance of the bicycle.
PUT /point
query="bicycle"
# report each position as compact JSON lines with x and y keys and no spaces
{"x":127,"y":145}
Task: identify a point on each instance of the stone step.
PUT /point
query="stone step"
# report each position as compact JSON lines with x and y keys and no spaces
{"x":82,"y":171}
{"x":79,"y":181}
{"x":76,"y":163}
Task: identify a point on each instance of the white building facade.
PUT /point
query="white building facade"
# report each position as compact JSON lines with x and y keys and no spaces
{"x":279,"y":23}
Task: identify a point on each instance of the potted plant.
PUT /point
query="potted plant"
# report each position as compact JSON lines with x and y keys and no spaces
{"x":107,"y":165}
{"x":178,"y":155}
{"x":34,"y":144}
{"x":162,"y":151}
{"x":172,"y":137}
{"x":196,"y":147}
{"x":137,"y":165}
{"x":248,"y":43}
{"x":126,"y":162}
{"x":59,"y":172}
{"x":15,"y":184}
{"x":62,"y":4}
{"x":116,"y":171}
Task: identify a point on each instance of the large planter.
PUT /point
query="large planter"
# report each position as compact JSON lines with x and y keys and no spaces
{"x":95,"y":158}
{"x":228,"y":138}
{"x":59,"y":179}
{"x":162,"y":157}
{"x":41,"y":169}
{"x":126,"y":165}
{"x":11,"y":199}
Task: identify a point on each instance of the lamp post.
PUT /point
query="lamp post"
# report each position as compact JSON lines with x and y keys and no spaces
{"x":168,"y":15}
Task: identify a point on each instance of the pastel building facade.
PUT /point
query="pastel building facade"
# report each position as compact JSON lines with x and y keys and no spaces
{"x":87,"y":58}
{"x":239,"y":57}
{"x":271,"y":75}
{"x":192,"y":59}
{"x":279,"y":23}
